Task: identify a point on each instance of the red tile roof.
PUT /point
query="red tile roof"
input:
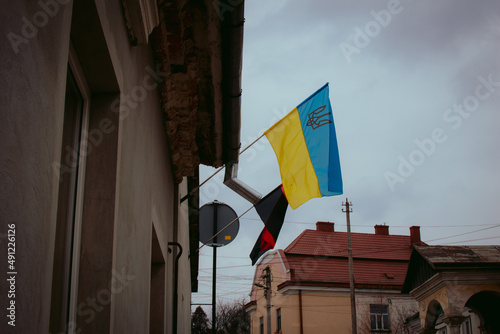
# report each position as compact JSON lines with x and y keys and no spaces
{"x":364,"y":245}
{"x":320,"y":258}
{"x":336,"y":271}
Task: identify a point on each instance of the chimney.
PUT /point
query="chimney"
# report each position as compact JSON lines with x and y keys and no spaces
{"x":325,"y":226}
{"x":381,"y":229}
{"x":415,"y":235}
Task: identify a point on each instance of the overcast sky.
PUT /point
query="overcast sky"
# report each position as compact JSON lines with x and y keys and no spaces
{"x":415,"y":91}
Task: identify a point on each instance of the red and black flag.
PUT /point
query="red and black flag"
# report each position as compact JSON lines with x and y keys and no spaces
{"x":272,"y":210}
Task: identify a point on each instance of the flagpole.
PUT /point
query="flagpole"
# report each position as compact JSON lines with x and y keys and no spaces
{"x":218,"y":170}
{"x":256,"y":140}
{"x":216,"y":234}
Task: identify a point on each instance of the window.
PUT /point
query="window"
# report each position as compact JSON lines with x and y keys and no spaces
{"x":261,"y":325}
{"x":70,"y":202}
{"x":379,"y":317}
{"x":443,"y":331}
{"x":278,"y":319}
{"x":467,"y":326}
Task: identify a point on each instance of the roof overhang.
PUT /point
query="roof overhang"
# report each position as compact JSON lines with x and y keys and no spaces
{"x":431,"y":264}
{"x":289,"y":286}
{"x":251,"y":307}
{"x":454,"y":278}
{"x":199,"y":45}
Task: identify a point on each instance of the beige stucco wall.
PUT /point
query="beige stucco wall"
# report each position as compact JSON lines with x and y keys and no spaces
{"x":325,"y":313}
{"x":278,"y":273}
{"x":321,"y":313}
{"x":33,"y":82}
{"x":452,"y":299}
{"x":330,"y":311}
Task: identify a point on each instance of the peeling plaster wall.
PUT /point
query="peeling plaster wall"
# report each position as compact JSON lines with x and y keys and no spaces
{"x":187,"y":45}
{"x":452,"y":299}
{"x":401,"y":307}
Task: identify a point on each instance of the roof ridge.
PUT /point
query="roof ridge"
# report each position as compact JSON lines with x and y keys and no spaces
{"x":352,"y":233}
{"x":345,"y":257}
{"x":365,"y":245}
{"x":296,"y":240}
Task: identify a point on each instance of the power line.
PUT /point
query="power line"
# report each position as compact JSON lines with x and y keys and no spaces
{"x":456,"y":242}
{"x":371,"y":226}
{"x":457,"y":235}
{"x":385,"y":249}
{"x":228,"y":257}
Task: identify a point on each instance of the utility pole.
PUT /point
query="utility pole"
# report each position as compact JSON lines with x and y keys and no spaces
{"x":347,"y":211}
{"x":267,"y":291}
{"x":214,"y":290}
{"x":214,"y":273}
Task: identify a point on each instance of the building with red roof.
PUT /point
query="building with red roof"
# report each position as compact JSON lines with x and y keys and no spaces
{"x":309,"y":282}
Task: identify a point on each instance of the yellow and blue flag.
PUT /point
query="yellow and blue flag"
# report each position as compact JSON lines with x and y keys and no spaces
{"x":305,"y":144}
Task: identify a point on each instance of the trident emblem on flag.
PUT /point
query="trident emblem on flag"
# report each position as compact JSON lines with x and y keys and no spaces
{"x":316,"y":119}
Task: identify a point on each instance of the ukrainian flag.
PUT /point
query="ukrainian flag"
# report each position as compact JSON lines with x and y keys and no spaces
{"x":305,"y":144}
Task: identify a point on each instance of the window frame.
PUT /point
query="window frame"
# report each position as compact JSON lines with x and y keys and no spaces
{"x":467,"y":326}
{"x":278,"y":319}
{"x":78,"y":74}
{"x":379,"y":318}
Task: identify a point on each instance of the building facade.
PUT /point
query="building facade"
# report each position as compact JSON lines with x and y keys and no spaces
{"x":309,"y":283}
{"x":108,"y":108}
{"x":457,"y":289}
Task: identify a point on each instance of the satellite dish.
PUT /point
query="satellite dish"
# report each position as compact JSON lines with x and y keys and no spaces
{"x":214,"y":217}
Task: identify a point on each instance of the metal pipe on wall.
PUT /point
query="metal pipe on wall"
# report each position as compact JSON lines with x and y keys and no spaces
{"x":176,"y":285}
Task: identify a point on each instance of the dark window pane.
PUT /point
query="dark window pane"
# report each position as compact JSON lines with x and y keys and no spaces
{"x":66,"y":209}
{"x":379,"y":316}
{"x":386,"y":321}
{"x":278,"y":319}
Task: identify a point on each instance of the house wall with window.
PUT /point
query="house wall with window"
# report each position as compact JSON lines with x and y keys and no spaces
{"x":33,"y":80}
{"x":91,"y":178}
{"x":126,"y":188}
{"x":383,"y":310}
{"x":302,"y":309}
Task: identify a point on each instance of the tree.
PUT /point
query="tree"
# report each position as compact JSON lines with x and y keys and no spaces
{"x":400,"y":310}
{"x":232,"y":318}
{"x":199,"y":322}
